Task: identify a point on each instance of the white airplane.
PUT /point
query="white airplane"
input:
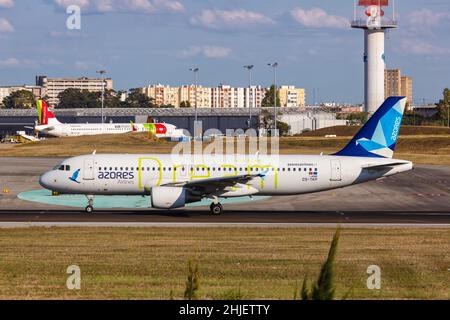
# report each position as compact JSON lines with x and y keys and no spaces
{"x":368,"y":156}
{"x":48,"y":124}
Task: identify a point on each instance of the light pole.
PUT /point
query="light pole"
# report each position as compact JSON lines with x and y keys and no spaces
{"x":249,"y":68}
{"x":274,"y":66}
{"x":195,"y":71}
{"x":448,"y":115}
{"x":102,"y":73}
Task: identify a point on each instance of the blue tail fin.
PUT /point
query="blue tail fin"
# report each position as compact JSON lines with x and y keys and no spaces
{"x":377,"y":138}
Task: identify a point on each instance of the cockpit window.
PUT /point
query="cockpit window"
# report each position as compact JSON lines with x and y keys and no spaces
{"x":62,"y":167}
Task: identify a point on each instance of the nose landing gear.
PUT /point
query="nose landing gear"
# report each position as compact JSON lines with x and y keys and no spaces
{"x":90,"y":207}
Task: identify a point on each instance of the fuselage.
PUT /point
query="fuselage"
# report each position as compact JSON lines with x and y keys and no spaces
{"x":160,"y":130}
{"x":122,"y":174}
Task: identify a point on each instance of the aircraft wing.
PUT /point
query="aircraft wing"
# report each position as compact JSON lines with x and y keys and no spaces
{"x":210,"y":186}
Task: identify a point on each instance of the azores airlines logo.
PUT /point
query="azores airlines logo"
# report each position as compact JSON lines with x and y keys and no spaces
{"x":74,"y":176}
{"x":396,"y":129}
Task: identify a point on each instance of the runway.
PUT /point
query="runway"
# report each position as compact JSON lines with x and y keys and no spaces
{"x":421,"y":196}
{"x":230,"y":218}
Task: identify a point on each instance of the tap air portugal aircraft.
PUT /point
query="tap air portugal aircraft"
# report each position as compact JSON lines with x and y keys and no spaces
{"x":170,"y":184}
{"x":48,"y":124}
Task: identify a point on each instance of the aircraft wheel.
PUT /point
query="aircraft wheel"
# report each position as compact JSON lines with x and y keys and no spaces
{"x":216,"y":209}
{"x":89,"y":209}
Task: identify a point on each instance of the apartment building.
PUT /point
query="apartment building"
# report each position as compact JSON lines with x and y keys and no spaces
{"x":5,"y":91}
{"x":192,"y":94}
{"x":292,"y":97}
{"x":397,"y":85}
{"x":222,"y":96}
{"x":52,"y":87}
{"x":407,"y":89}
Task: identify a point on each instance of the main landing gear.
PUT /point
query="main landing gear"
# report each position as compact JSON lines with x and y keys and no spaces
{"x":90,"y":207}
{"x":216,"y":209}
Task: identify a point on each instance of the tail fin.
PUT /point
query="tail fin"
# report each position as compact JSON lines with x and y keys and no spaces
{"x":377,"y":138}
{"x":133,"y":127}
{"x":45,"y":116}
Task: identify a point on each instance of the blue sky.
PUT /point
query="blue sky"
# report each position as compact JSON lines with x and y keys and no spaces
{"x":141,"y":42}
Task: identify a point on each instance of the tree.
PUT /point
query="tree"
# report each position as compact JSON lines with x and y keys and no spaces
{"x":267,"y":122}
{"x":283,"y":128}
{"x":112,"y":99}
{"x":443,"y":106}
{"x":268,"y":101}
{"x":136,"y":99}
{"x":357,"y":118}
{"x":76,"y":98}
{"x":185,"y":104}
{"x":21,"y":99}
{"x":167,"y":106}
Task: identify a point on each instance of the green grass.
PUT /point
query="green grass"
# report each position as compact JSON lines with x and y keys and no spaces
{"x":255,"y":263}
{"x":421,"y":149}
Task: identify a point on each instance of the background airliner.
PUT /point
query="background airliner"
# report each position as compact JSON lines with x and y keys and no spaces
{"x":48,"y":124}
{"x":172,"y":184}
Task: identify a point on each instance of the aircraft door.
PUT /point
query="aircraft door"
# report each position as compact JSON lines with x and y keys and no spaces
{"x":336,"y":174}
{"x":88,"y":169}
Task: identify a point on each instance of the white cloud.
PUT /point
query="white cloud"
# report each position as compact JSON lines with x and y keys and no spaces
{"x":82,"y":65}
{"x":207,"y":51}
{"x":6,"y":3}
{"x":10,"y":62}
{"x":66,"y":3}
{"x":144,"y":6}
{"x":318,"y":18}
{"x":5,"y":26}
{"x":217,"y":19}
{"x":426,"y":19}
{"x":418,"y":47}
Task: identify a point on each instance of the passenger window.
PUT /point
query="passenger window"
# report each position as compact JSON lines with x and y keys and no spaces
{"x":67,"y":168}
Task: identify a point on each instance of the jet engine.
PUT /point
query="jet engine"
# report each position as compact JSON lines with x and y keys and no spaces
{"x":171,"y":197}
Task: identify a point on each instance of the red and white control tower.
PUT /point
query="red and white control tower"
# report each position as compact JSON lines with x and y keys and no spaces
{"x":370,"y":16}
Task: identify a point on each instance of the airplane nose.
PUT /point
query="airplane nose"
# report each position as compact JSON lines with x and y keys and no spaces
{"x":46,"y":180}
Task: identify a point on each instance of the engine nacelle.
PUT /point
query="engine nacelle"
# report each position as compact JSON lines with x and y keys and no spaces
{"x":168,"y":197}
